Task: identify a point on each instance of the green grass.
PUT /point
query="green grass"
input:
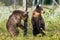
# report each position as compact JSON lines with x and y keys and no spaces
{"x":52,"y":32}
{"x":52,"y":29}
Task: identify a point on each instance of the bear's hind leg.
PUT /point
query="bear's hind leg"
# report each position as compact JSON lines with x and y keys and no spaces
{"x":13,"y":31}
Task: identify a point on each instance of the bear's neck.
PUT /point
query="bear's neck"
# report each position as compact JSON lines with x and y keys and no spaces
{"x":37,"y":10}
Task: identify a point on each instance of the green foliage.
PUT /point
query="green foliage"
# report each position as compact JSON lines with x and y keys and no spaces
{"x":48,"y":1}
{"x":20,"y":2}
{"x":6,"y":2}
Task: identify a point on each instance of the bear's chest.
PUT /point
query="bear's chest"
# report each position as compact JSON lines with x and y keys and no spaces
{"x":36,"y":14}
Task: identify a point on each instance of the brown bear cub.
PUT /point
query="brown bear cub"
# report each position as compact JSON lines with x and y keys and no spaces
{"x":38,"y":21}
{"x":14,"y":22}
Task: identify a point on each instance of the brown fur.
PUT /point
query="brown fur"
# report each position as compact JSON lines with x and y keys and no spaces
{"x":14,"y":22}
{"x":38,"y":21}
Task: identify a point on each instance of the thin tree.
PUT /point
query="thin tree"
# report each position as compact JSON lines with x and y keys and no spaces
{"x":25,"y":21}
{"x":15,"y":3}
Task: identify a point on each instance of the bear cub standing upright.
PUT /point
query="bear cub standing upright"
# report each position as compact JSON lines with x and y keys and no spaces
{"x":38,"y":21}
{"x":14,"y":22}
